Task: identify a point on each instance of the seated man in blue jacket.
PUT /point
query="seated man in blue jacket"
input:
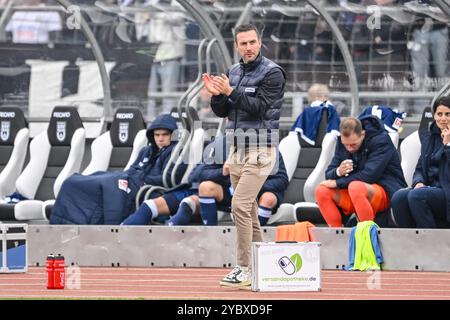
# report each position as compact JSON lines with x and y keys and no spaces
{"x":108,"y":197}
{"x":363,"y":175}
{"x":216,"y":193}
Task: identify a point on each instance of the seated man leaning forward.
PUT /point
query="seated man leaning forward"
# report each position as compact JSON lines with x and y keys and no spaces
{"x":178,"y":198}
{"x":109,"y":197}
{"x":363,"y":175}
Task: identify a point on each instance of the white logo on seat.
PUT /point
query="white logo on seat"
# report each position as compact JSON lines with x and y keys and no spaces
{"x":61,"y":114}
{"x":124,"y":116}
{"x":7,"y":114}
{"x":123,"y":131}
{"x":60,"y":130}
{"x":6,"y":125}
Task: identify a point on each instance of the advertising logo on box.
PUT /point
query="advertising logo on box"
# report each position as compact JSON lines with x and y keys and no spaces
{"x":291,"y":265}
{"x":287,"y":267}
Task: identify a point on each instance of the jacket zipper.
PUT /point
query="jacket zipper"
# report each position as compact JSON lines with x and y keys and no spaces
{"x":237,"y":105}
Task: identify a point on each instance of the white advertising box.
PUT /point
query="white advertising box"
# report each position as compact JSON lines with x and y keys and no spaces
{"x":286,"y":266}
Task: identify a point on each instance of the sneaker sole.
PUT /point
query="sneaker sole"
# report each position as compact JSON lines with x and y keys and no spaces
{"x":235,"y":285}
{"x":246,"y":288}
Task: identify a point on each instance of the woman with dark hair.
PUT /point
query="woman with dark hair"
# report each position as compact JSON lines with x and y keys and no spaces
{"x":427,"y":203}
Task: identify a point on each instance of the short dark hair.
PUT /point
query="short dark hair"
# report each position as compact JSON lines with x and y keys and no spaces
{"x":349,"y":126}
{"x":444,"y":101}
{"x":244,"y":28}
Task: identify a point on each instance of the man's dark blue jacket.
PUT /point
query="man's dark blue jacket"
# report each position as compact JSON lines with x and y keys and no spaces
{"x":256,"y":100}
{"x":376,"y":161}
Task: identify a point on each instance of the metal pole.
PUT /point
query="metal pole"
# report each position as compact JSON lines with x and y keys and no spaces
{"x":220,"y":52}
{"x":107,"y":108}
{"x":345,"y":53}
{"x":445,"y":7}
{"x":4,"y":17}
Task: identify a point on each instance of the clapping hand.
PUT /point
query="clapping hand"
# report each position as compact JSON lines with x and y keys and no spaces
{"x":226,"y":169}
{"x":208,"y":81}
{"x":222,"y":83}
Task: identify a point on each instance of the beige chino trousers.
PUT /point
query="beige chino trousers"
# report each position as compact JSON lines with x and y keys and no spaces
{"x":249,"y":169}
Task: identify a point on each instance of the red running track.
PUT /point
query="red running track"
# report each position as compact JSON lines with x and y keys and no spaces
{"x":202,"y":283}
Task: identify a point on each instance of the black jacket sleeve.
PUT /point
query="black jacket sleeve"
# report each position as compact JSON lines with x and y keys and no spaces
{"x":220,"y":105}
{"x":213,"y":173}
{"x":270,"y":90}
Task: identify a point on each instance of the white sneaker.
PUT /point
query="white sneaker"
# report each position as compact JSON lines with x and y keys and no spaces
{"x":237,"y":278}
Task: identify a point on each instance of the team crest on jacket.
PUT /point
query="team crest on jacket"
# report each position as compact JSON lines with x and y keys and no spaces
{"x":6,"y":125}
{"x":123,"y":131}
{"x":122,"y":184}
{"x":397,"y":123}
{"x":60,"y":130}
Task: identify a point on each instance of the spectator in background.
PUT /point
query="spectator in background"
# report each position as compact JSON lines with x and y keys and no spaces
{"x":430,"y":36}
{"x":308,"y":121}
{"x":427,"y":204}
{"x":318,"y":92}
{"x":379,"y":51}
{"x":33,"y":26}
{"x":163,"y":26}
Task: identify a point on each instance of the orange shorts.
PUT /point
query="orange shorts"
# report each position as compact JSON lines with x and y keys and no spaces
{"x":379,"y":200}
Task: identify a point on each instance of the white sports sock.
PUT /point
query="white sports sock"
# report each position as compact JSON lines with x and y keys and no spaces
{"x":190,"y":203}
{"x":151,"y":204}
{"x":264,"y":212}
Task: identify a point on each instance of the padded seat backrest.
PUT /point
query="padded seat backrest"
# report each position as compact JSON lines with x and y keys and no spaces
{"x":391,"y":118}
{"x":55,"y":154}
{"x":14,"y":135}
{"x":127,"y":128}
{"x":290,"y":150}
{"x":306,"y":162}
{"x":318,"y":174}
{"x":119,"y":147}
{"x":410,"y":147}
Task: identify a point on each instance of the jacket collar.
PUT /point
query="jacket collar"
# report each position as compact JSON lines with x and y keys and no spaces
{"x":434,"y":129}
{"x":251,"y":65}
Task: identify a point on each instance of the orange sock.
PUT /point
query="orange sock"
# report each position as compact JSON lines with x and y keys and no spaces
{"x":353,"y":199}
{"x":365,"y":209}
{"x":328,"y":208}
{"x":360,"y":198}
